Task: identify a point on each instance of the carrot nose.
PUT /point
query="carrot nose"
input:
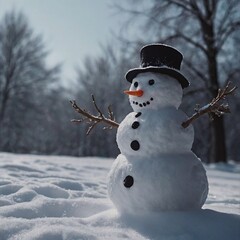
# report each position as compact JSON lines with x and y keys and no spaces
{"x":137,"y":93}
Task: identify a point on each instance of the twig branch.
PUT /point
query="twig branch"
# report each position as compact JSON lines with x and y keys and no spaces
{"x":215,"y":107}
{"x":92,"y":119}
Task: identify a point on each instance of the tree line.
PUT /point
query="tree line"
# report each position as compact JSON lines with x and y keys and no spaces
{"x":35,"y":112}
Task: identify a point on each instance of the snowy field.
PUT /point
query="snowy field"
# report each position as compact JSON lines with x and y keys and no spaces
{"x":56,"y":198}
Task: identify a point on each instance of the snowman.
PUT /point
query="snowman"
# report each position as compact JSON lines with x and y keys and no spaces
{"x":156,"y":170}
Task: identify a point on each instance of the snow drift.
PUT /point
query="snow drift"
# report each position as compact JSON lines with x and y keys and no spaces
{"x":45,"y":197}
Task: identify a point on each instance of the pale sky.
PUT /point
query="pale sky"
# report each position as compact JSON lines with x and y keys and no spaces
{"x":72,"y":29}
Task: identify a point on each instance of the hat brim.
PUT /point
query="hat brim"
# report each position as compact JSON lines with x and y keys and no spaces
{"x":132,"y":73}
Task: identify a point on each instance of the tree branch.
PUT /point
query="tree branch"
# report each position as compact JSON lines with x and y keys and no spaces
{"x":225,"y":22}
{"x":226,"y":32}
{"x":195,"y":70}
{"x":184,"y":5}
{"x":92,"y":119}
{"x":215,"y":107}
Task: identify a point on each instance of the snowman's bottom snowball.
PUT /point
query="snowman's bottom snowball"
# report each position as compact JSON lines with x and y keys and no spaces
{"x":170,"y":182}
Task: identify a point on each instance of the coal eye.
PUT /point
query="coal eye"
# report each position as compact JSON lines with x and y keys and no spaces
{"x":136,"y":84}
{"x":151,"y":82}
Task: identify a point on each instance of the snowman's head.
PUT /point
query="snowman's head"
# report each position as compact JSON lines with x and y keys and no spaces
{"x":153,"y":91}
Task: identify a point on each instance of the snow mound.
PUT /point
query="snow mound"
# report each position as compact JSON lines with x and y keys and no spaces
{"x":44,"y":197}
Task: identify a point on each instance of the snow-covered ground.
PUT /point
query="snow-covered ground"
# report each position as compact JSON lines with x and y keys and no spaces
{"x":54,"y":197}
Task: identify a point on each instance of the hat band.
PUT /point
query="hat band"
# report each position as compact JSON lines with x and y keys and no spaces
{"x":156,"y":63}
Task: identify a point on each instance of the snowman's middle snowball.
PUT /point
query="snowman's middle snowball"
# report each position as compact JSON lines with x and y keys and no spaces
{"x":157,"y":132}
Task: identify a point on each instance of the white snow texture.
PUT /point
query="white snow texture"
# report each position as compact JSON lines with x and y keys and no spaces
{"x":166,"y":91}
{"x":65,"y":198}
{"x":156,"y":170}
{"x":168,"y":182}
{"x":158,"y":132}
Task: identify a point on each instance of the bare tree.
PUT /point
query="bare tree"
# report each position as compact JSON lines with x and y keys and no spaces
{"x":24,"y":78}
{"x":102,"y":77}
{"x":203,"y":30}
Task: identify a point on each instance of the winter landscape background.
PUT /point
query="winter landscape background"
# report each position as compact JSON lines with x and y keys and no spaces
{"x":52,"y":52}
{"x":44,"y":63}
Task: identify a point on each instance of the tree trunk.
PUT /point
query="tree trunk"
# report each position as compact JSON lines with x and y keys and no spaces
{"x":3,"y":107}
{"x":218,"y":144}
{"x":218,"y":147}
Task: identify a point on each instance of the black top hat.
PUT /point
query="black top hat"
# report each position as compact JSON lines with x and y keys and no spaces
{"x":162,"y":59}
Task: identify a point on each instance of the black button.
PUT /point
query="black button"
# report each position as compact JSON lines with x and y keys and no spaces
{"x":144,"y":104}
{"x":138,"y":114}
{"x":135,"y":125}
{"x":135,"y":145}
{"x":151,"y":99}
{"x":128,"y":181}
{"x":140,"y":105}
{"x":148,"y":102}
